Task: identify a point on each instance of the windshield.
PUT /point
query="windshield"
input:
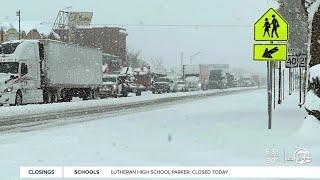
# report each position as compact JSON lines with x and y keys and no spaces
{"x":110,"y":79}
{"x":8,"y":48}
{"x":9,"y":67}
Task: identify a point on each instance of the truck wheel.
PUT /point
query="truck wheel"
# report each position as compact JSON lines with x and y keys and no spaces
{"x":52,"y":97}
{"x":90,"y":95}
{"x":125,"y":93}
{"x":18,"y":100}
{"x":66,"y":96}
{"x":138,"y":93}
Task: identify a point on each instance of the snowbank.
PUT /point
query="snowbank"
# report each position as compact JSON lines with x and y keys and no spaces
{"x":315,"y":73}
{"x":312,"y":9}
{"x":36,"y":109}
{"x":312,"y":101}
{"x":310,"y":128}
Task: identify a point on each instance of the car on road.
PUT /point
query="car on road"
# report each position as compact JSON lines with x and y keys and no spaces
{"x":181,"y":86}
{"x":193,"y":83}
{"x":110,"y":86}
{"x":136,"y":88}
{"x":159,"y":87}
{"x":169,"y":81}
{"x":114,"y":85}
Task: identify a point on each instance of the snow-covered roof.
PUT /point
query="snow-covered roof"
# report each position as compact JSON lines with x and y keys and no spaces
{"x":42,"y":27}
{"x":122,"y":30}
{"x":20,"y":41}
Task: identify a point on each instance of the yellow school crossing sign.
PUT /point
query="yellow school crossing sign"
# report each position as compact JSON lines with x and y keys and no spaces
{"x":270,"y":52}
{"x":271,"y":27}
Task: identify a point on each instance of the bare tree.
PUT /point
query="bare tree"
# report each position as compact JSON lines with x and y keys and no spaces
{"x":157,"y":65}
{"x":134,"y":60}
{"x":294,"y":13}
{"x":311,"y":9}
{"x":314,"y":19}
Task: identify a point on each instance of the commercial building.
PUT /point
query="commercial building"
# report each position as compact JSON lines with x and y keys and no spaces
{"x":111,"y":40}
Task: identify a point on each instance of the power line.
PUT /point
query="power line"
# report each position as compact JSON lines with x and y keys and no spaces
{"x":179,"y":25}
{"x":172,"y":25}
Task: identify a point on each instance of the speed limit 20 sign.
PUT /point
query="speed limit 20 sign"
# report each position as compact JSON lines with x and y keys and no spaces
{"x":295,"y":61}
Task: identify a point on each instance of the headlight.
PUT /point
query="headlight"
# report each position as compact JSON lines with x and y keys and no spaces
{"x":9,"y":89}
{"x":114,"y":86}
{"x":199,"y":84}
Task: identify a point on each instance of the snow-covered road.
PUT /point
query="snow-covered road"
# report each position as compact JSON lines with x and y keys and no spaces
{"x":226,"y":130}
{"x":39,"y":114}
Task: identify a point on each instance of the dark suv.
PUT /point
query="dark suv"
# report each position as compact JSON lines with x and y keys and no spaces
{"x":159,"y":87}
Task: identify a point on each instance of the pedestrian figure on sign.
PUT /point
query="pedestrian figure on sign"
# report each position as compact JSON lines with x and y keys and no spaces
{"x":275,"y":26}
{"x":267,"y":27}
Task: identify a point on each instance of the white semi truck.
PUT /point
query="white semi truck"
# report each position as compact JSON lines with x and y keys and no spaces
{"x":47,"y":71}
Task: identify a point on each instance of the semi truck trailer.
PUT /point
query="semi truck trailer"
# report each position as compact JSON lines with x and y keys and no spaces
{"x":47,"y":71}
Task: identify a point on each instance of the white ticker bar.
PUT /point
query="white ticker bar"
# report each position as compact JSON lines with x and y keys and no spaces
{"x":170,"y":172}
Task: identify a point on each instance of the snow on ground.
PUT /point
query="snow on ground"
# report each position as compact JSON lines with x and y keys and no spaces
{"x":314,"y":72}
{"x":225,"y":130}
{"x":78,"y":104}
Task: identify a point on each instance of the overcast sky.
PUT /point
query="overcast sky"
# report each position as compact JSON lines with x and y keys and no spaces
{"x":229,"y":41}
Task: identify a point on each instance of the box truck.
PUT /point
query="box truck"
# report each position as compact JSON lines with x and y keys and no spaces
{"x":47,"y":71}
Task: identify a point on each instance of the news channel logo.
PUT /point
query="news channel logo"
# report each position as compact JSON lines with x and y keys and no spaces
{"x":293,"y":156}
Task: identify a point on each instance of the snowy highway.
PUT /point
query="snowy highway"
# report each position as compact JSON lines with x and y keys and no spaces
{"x":38,"y":114}
{"x":218,"y":130}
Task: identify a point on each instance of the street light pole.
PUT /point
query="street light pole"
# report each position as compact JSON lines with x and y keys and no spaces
{"x":181,"y":61}
{"x":194,"y":56}
{"x":19,"y":16}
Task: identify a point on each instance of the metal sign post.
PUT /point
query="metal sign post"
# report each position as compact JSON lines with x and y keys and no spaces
{"x":271,"y":27}
{"x":283,"y":84}
{"x":280,"y":84}
{"x":269,"y":72}
{"x":300,"y":87}
{"x":289,"y":78}
{"x":305,"y":83}
{"x":274,"y":85}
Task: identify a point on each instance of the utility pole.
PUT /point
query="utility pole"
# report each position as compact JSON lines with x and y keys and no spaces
{"x":181,"y":61}
{"x":1,"y":35}
{"x":19,"y":16}
{"x":191,"y":57}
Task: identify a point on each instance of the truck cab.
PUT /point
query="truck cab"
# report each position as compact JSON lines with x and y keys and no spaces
{"x":217,"y":79}
{"x":171,"y":83}
{"x":19,"y":73}
{"x":114,"y":85}
{"x":193,"y":83}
